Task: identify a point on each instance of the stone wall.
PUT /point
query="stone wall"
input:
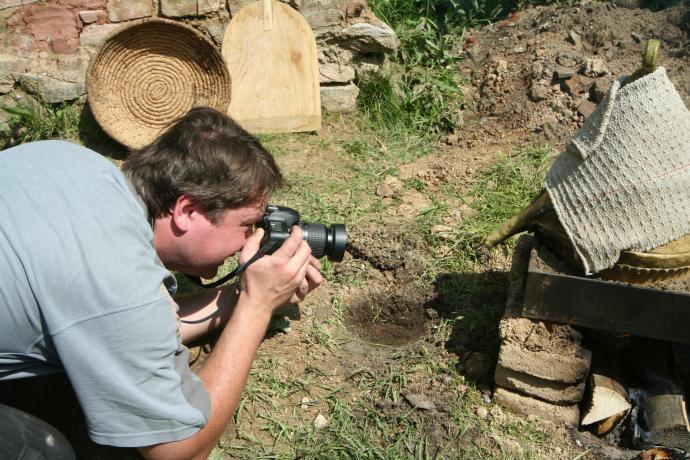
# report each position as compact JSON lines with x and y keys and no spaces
{"x":45,"y":46}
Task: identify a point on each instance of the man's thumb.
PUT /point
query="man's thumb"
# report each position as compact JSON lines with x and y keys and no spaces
{"x":251,"y":246}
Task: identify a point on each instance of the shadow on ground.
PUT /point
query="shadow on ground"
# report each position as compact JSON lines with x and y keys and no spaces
{"x":473,"y":303}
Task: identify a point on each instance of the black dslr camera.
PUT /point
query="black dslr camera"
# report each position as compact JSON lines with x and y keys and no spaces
{"x":277,"y":224}
{"x":323,"y":241}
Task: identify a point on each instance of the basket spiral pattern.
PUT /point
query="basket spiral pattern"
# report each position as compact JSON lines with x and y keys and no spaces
{"x":150,"y":73}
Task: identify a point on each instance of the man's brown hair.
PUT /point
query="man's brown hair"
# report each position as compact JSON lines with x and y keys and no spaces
{"x":205,"y":155}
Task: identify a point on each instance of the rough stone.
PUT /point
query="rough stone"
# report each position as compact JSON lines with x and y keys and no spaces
{"x":182,"y":8}
{"x":320,"y":421}
{"x":11,"y":67}
{"x":595,"y":68}
{"x":575,"y":39}
{"x":14,"y":3}
{"x":44,"y":27}
{"x":563,"y":72}
{"x":125,"y":10}
{"x":336,"y":73}
{"x":321,"y":13}
{"x":236,"y":5}
{"x":419,"y":401}
{"x":585,"y":108}
{"x":368,"y":63}
{"x":51,"y":89}
{"x":84,"y":4}
{"x":547,"y":390}
{"x":93,"y":35}
{"x":207,"y":6}
{"x":370,"y":38}
{"x":340,"y":98}
{"x":568,"y":367}
{"x":526,"y":406}
{"x":538,"y":90}
{"x":178,"y":8}
{"x":539,"y":335}
{"x":578,"y":84}
{"x":215,"y":30}
{"x":91,"y":16}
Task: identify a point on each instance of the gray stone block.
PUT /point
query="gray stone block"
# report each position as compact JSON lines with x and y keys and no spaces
{"x":125,"y":10}
{"x":339,"y":98}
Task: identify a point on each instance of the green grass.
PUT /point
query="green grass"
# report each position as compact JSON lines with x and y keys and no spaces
{"x":28,"y":122}
{"x":499,"y":193}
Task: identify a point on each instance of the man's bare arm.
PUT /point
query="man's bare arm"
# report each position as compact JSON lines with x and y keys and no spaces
{"x":268,"y":283}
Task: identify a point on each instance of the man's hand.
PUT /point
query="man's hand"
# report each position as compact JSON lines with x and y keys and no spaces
{"x":287,"y":275}
{"x":312,"y":280}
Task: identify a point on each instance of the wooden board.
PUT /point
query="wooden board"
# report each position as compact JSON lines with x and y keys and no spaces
{"x":270,"y":51}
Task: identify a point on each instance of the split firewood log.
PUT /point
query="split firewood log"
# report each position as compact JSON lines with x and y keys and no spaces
{"x":608,"y":404}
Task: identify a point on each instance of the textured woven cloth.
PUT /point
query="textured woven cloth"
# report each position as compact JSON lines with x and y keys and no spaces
{"x":623,"y":182}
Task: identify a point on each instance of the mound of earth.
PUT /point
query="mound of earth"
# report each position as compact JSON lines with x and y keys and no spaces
{"x":536,"y":76}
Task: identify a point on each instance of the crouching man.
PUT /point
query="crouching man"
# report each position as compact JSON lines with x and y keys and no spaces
{"x":85,"y":258}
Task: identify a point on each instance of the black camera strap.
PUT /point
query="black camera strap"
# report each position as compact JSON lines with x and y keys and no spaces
{"x":237,"y":272}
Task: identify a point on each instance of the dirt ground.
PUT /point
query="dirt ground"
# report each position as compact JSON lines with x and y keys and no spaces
{"x":531,"y":80}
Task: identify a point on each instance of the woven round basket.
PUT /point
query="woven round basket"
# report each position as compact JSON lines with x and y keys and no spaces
{"x":150,"y":73}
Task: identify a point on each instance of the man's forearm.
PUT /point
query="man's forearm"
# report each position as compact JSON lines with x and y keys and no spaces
{"x":224,"y":374}
{"x":205,"y":311}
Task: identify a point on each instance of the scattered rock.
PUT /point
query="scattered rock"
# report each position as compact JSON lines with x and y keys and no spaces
{"x":578,"y":84}
{"x":585,"y":108}
{"x":305,"y":403}
{"x":481,"y":412}
{"x":510,"y":447}
{"x":496,"y":412}
{"x":320,"y":421}
{"x":539,"y":90}
{"x":419,"y":401}
{"x":563,"y":72}
{"x":595,"y":68}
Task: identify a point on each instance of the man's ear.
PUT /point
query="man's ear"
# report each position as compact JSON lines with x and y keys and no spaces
{"x":183,"y":211}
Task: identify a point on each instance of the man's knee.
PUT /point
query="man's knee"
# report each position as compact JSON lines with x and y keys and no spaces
{"x":24,"y":436}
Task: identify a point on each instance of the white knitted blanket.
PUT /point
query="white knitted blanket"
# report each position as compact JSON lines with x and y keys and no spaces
{"x":623,"y":182}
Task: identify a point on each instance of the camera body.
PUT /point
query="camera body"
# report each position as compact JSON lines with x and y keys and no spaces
{"x":278,"y":221}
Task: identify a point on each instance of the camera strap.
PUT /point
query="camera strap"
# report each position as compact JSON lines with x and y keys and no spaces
{"x":238,"y":271}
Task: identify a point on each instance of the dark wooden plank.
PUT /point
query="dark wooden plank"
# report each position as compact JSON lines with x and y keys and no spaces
{"x":608,"y":306}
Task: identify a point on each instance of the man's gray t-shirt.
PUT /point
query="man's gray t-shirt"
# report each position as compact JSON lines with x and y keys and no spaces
{"x":82,"y":290}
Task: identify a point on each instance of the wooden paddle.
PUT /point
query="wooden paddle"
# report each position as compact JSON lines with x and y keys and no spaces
{"x":270,"y":51}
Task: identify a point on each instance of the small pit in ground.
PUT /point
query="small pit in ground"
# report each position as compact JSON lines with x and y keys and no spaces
{"x":388,"y":318}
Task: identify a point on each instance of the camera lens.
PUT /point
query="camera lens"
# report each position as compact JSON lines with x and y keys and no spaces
{"x":325,"y":241}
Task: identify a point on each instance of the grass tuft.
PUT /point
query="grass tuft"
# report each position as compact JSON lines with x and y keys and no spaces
{"x":28,"y":122}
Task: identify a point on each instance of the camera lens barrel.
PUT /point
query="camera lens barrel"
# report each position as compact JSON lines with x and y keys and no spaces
{"x":325,"y":241}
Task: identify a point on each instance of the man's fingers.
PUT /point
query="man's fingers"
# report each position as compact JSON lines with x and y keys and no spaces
{"x":316,"y":263}
{"x":314,"y":277}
